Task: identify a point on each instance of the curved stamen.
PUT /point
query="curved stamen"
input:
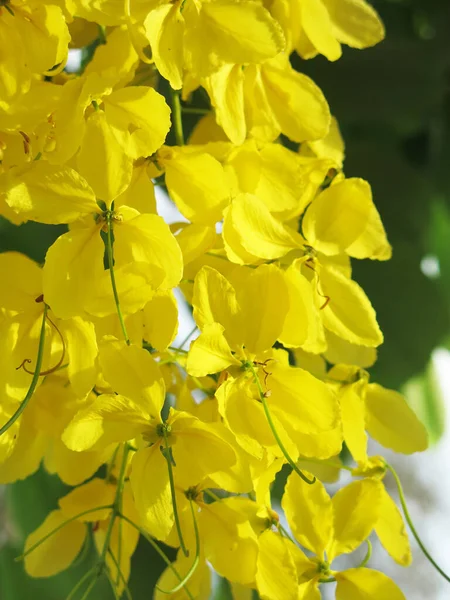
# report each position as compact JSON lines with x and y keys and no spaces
{"x":52,"y":369}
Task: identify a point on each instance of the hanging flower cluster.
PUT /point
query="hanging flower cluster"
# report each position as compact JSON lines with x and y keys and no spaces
{"x":182,"y":445}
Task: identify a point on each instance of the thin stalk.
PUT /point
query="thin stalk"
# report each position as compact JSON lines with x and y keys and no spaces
{"x":196,"y":559}
{"x":411,"y":525}
{"x":177,"y":118}
{"x":109,"y":248}
{"x":195,"y":111}
{"x":274,"y":430}
{"x":35,"y":379}
{"x":121,"y":576}
{"x":158,"y":550}
{"x":80,"y":583}
{"x":56,"y":529}
{"x":116,"y":505}
{"x":367,"y":556}
{"x":172,"y":492}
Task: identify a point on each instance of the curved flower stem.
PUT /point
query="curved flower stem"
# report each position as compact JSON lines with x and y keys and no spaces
{"x":196,"y":559}
{"x":158,"y":550}
{"x":80,"y":583}
{"x":411,"y":525}
{"x":274,"y":430}
{"x":166,"y":454}
{"x":116,"y":509}
{"x":121,"y":576}
{"x":109,"y":248}
{"x":367,"y":556}
{"x":53,"y":531}
{"x":177,"y":120}
{"x":36,"y":375}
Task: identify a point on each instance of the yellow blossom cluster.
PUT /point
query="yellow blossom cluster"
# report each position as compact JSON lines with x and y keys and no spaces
{"x":182,"y":445}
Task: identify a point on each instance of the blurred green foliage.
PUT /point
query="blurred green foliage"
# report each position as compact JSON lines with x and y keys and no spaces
{"x":393,"y":106}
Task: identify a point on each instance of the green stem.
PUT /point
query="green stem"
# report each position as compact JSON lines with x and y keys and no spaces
{"x":177,"y":118}
{"x":109,"y":248}
{"x":89,"y":589}
{"x":36,"y":375}
{"x":195,"y":111}
{"x":172,"y":492}
{"x":158,"y":550}
{"x":116,"y":505}
{"x":80,"y":584}
{"x":196,"y":559}
{"x":274,"y":430}
{"x":283,"y":531}
{"x":121,"y":576}
{"x":53,"y":531}
{"x":367,"y":556}
{"x":212,"y":495}
{"x":411,"y":525}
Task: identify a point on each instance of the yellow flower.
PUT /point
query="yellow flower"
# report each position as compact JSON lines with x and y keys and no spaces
{"x":146,"y":253}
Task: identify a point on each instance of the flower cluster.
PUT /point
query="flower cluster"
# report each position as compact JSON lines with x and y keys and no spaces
{"x":182,"y":445}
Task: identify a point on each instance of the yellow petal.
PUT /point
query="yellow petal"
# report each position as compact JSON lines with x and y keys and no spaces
{"x":276,"y":576}
{"x":373,"y":242}
{"x":196,"y":439}
{"x":194,"y":240}
{"x":263,"y":297}
{"x":24,"y":281}
{"x":230,"y":543}
{"x":353,"y":411}
{"x":291,"y":390}
{"x":72,"y":264}
{"x":349,"y":313}
{"x":319,"y":29}
{"x":391,"y":531}
{"x":127,"y":112}
{"x":147,"y":239}
{"x":245,"y":416}
{"x":140,"y":194}
{"x":297,"y":103}
{"x":392,"y":422}
{"x":150,"y":484}
{"x":101,"y":160}
{"x":338,"y":216}
{"x":355,"y":22}
{"x":133,"y":288}
{"x":109,"y":419}
{"x":309,"y":513}
{"x":214,"y":301}
{"x":58,"y":551}
{"x":210,"y":352}
{"x":132,"y":372}
{"x":161,"y":321}
{"x":82,"y":352}
{"x":359,"y":584}
{"x":45,"y":193}
{"x":257,"y":230}
{"x":238,"y":33}
{"x":299,"y":319}
{"x":356,"y":510}
{"x":198,"y":186}
{"x":73,"y":467}
{"x":164,"y":28}
{"x":331,"y":146}
{"x":226,"y":91}
{"x":93,"y":494}
{"x":341,"y":351}
{"x":199,"y":584}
